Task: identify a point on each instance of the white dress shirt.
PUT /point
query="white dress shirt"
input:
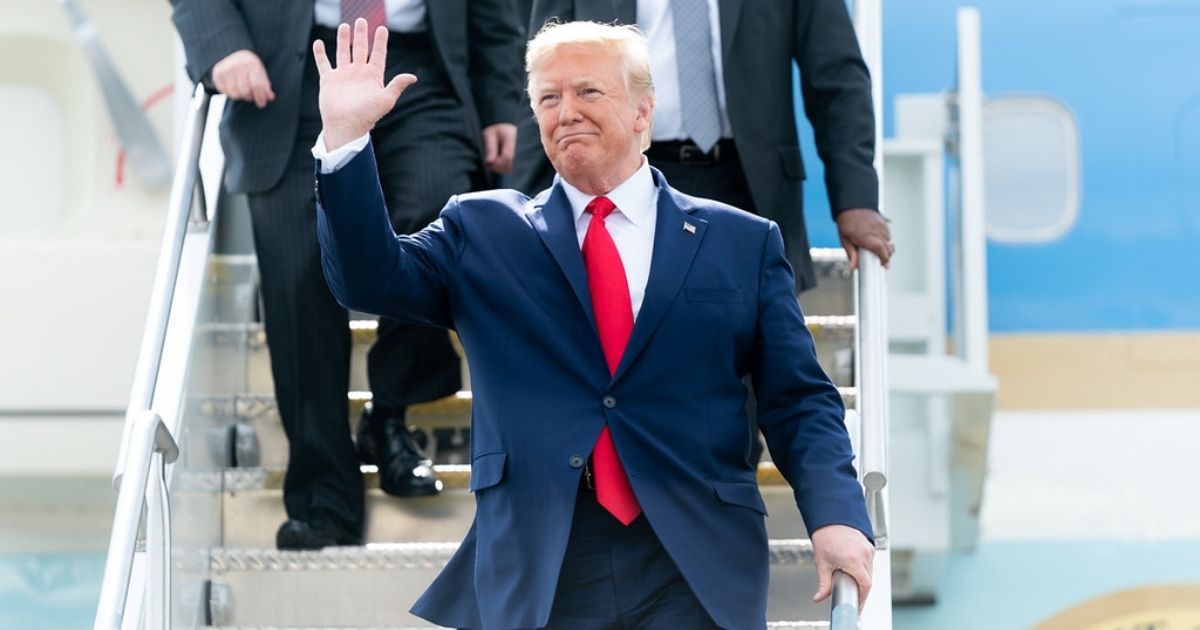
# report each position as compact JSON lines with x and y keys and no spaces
{"x":631,"y":225}
{"x":403,"y":16}
{"x":658,"y":23}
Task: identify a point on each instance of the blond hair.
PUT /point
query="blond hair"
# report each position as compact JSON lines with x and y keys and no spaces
{"x":625,"y":41}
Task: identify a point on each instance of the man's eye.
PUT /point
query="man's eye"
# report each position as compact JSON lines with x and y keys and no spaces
{"x":547,"y":98}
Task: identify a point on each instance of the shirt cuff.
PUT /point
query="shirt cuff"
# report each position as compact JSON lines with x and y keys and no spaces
{"x":331,"y":161}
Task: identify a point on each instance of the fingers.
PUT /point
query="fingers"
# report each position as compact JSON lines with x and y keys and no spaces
{"x":343,"y":45}
{"x":361,"y":47}
{"x":491,"y":146}
{"x":842,"y":548}
{"x":863,"y":576}
{"x":499,"y":146}
{"x":868,"y":229}
{"x":824,"y":582}
{"x":321,"y":59}
{"x":379,"y":49}
{"x":508,"y":149}
{"x":260,"y":87}
{"x":851,"y":252}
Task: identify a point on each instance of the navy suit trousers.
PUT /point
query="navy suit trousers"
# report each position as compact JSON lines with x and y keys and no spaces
{"x":617,"y":577}
{"x":620,"y":578}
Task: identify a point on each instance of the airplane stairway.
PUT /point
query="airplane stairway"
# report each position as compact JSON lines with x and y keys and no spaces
{"x":224,"y":492}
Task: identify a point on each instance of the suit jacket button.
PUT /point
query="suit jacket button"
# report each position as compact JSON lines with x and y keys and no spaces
{"x":609,"y":402}
{"x":576,"y":461}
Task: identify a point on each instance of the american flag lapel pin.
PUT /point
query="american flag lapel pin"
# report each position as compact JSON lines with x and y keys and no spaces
{"x":689,"y":228}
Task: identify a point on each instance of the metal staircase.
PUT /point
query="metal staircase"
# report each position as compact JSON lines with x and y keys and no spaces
{"x":203,"y":554}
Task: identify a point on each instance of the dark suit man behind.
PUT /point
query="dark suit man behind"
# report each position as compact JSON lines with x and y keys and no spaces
{"x":432,"y":146}
{"x":609,"y":323}
{"x":755,"y":164}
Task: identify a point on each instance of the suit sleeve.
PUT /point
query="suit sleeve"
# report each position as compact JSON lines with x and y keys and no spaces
{"x":210,"y":30}
{"x":800,"y":411}
{"x":367,"y":265}
{"x":497,"y":43}
{"x":837,"y":100}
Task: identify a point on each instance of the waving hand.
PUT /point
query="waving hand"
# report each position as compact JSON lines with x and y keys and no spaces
{"x":353,"y":96}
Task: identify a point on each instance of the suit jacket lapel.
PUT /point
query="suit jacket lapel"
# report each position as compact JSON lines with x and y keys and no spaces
{"x":553,"y":221}
{"x":728,"y":11}
{"x":675,"y":247}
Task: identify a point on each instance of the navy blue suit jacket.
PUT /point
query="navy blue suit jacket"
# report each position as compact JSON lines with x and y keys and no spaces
{"x":505,"y":272}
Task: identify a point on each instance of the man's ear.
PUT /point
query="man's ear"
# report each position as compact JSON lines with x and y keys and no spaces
{"x":645,"y":113}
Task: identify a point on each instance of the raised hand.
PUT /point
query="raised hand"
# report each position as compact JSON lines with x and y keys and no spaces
{"x":352,"y":96}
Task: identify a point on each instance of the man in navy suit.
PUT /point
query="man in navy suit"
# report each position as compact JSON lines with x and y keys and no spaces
{"x":609,"y":323}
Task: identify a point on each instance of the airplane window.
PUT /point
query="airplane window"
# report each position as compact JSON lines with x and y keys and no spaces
{"x":32,"y":121}
{"x":1031,"y":169}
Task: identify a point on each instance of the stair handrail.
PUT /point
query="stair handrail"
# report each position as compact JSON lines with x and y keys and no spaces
{"x":844,"y":615}
{"x":871,"y":341}
{"x":147,"y":444}
{"x":872,"y":382}
{"x":184,"y":207}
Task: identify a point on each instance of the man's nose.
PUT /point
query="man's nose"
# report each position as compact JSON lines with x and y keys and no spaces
{"x":568,"y":110}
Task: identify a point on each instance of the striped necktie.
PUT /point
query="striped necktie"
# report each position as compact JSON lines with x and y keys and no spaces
{"x":697,"y":76}
{"x":373,"y":11}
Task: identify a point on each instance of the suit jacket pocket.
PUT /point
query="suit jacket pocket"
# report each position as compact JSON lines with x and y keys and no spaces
{"x":741,"y":493}
{"x":725,"y":296}
{"x":487,"y":470}
{"x":793,"y":163}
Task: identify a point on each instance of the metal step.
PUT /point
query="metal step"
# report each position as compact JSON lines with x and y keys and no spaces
{"x":260,"y":412}
{"x":252,"y":506}
{"x":834,"y":293}
{"x":373,"y":586}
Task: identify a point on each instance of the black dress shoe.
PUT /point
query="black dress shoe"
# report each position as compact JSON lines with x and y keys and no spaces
{"x":296,"y":535}
{"x":403,"y":470}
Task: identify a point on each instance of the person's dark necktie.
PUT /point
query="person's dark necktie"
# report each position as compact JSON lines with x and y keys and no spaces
{"x":613,"y":308}
{"x":373,"y":11}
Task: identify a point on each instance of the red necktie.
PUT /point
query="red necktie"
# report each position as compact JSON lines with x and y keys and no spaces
{"x":373,"y":11}
{"x":614,"y":321}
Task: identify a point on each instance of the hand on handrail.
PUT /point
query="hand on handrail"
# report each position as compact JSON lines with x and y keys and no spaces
{"x":839,"y":549}
{"x":868,"y":229}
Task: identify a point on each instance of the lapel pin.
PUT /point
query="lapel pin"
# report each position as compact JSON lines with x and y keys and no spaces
{"x":689,"y":228}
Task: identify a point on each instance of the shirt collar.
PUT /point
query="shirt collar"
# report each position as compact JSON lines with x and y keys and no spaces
{"x":635,"y":197}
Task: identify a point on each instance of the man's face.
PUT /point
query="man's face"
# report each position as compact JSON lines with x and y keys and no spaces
{"x":590,"y":124}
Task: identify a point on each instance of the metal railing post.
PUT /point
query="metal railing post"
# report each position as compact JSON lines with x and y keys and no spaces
{"x":148,"y":436}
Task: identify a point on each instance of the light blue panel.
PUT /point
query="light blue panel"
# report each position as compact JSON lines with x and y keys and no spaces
{"x":1127,"y":69}
{"x":49,"y":591}
{"x":1002,"y":586}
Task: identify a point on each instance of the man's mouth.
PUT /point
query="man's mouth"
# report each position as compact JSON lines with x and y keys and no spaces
{"x":574,"y":136}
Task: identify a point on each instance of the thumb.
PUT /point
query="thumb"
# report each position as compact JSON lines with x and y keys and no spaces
{"x":399,"y":83}
{"x":491,"y":146}
{"x":824,"y":584}
{"x":851,"y":252}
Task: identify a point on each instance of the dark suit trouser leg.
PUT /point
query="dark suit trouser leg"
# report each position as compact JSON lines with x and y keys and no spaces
{"x":309,"y":341}
{"x":620,"y":577}
{"x":425,"y":154}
